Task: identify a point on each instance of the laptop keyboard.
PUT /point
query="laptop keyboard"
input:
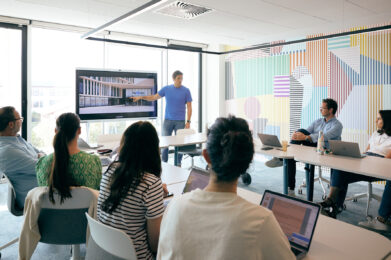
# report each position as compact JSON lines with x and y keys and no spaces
{"x":296,"y":251}
{"x":105,"y":161}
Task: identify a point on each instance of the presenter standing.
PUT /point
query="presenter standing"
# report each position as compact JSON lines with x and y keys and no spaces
{"x":178,"y":100}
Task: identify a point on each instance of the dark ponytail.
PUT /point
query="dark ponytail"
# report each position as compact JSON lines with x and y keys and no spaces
{"x":230,"y":148}
{"x":59,"y":180}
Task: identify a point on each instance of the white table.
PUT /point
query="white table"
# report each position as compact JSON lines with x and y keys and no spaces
{"x":370,"y":165}
{"x":172,"y":174}
{"x":181,"y":140}
{"x":334,"y":239}
{"x":291,"y":153}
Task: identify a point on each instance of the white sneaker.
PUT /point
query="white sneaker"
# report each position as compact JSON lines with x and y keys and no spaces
{"x":275,"y":162}
{"x":375,"y":225}
{"x":291,"y":192}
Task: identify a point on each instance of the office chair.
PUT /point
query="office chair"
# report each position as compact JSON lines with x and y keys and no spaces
{"x":65,"y":224}
{"x":369,"y":195}
{"x":107,"y":243}
{"x":13,"y":208}
{"x":190,"y":150}
{"x":321,"y":181}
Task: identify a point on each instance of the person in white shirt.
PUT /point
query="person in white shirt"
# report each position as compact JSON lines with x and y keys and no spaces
{"x":215,"y":223}
{"x":379,"y":145}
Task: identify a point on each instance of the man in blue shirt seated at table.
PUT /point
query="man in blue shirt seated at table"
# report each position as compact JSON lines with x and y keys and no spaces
{"x":17,"y":157}
{"x":332,"y":130}
{"x":178,"y":98}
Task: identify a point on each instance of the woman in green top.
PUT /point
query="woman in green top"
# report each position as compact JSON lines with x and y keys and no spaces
{"x":68,"y":166}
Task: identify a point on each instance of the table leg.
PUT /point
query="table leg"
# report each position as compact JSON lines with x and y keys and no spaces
{"x":309,"y":173}
{"x":176,"y":156}
{"x":285,"y":176}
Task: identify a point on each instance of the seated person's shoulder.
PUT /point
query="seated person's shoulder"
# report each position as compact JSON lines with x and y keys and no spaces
{"x":45,"y":161}
{"x":149,"y":178}
{"x":88,"y":156}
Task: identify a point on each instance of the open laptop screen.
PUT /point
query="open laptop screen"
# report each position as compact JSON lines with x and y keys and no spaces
{"x":296,"y":217}
{"x":198,"y":178}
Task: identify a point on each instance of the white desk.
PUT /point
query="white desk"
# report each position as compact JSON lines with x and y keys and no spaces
{"x":334,"y":239}
{"x":292,"y":151}
{"x":370,"y":165}
{"x":181,"y":140}
{"x":172,"y":174}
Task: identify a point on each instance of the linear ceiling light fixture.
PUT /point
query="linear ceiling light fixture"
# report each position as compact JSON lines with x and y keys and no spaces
{"x":145,"y":7}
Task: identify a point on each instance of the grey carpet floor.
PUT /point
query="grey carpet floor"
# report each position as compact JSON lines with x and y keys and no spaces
{"x":262,"y":178}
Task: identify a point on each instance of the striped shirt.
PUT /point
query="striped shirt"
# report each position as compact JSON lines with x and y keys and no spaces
{"x":146,"y":202}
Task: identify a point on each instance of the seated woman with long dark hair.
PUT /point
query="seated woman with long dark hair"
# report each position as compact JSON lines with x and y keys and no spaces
{"x":379,"y":145}
{"x":215,"y":223}
{"x":68,"y":166}
{"x":131,"y":193}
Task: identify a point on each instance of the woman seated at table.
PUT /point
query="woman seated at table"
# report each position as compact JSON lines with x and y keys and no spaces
{"x":215,"y":223}
{"x":379,"y":145}
{"x":68,"y":166}
{"x":131,"y":192}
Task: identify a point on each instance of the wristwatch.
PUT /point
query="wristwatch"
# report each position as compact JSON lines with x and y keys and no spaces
{"x":188,"y":121}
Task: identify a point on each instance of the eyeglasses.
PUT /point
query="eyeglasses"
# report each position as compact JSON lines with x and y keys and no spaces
{"x":20,"y":118}
{"x":324,"y":108}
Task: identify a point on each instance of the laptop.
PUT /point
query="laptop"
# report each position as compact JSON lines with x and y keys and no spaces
{"x":269,"y":141}
{"x":297,"y":219}
{"x":198,"y":179}
{"x":345,"y":149}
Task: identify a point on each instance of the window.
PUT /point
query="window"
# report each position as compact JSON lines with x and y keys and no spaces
{"x":188,"y":63}
{"x":55,"y":55}
{"x":11,"y":68}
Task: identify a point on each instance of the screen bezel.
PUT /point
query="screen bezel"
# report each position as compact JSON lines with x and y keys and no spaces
{"x":201,"y":171}
{"x":302,"y":201}
{"x":115,"y":73}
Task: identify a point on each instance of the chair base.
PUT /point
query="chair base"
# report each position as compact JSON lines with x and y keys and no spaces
{"x":322,"y":181}
{"x":9,"y":243}
{"x":369,"y":195}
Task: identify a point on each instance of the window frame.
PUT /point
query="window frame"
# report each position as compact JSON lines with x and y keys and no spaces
{"x":24,"y":98}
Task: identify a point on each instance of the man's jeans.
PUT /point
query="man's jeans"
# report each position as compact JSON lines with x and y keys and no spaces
{"x":168,"y":127}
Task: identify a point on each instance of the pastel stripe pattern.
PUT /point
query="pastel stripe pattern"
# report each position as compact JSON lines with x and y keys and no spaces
{"x":290,"y":83}
{"x":339,"y":42}
{"x":281,"y":86}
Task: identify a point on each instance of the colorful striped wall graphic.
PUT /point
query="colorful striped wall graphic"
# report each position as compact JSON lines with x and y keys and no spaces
{"x":354,"y":70}
{"x":281,"y":86}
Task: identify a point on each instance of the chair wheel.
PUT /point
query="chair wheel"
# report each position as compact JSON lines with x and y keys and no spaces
{"x":246,"y":178}
{"x":324,"y":197}
{"x":344,"y":206}
{"x":354,"y":200}
{"x":300,"y":191}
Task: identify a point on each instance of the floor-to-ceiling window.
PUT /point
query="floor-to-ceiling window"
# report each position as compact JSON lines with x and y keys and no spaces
{"x":188,"y":63}
{"x":55,"y":54}
{"x":12,"y":76}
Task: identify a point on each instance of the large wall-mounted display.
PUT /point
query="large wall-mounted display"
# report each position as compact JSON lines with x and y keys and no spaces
{"x":280,"y":89}
{"x":107,"y":94}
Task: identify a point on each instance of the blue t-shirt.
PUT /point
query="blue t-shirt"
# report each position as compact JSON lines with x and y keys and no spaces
{"x":17,"y":161}
{"x":176,"y":99}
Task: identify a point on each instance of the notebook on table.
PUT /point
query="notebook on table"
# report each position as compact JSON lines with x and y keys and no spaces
{"x":297,"y":219}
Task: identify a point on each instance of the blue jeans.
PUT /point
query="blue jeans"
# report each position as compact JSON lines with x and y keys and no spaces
{"x":168,"y":127}
{"x":341,"y":180}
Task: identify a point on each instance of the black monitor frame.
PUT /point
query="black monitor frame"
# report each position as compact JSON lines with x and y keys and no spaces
{"x":114,"y":73}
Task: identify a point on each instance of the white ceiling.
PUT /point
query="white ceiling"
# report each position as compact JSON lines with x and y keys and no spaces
{"x":237,"y":23}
